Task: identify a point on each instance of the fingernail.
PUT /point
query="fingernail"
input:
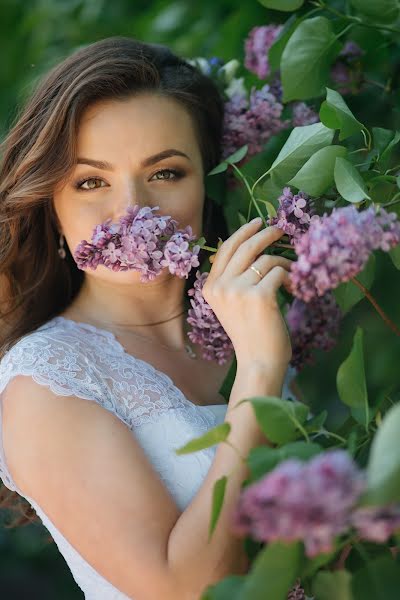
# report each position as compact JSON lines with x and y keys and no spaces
{"x":256,"y":220}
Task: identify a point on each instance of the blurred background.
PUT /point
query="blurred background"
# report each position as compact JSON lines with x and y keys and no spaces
{"x":37,"y":34}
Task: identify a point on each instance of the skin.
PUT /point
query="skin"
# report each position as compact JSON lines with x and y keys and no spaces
{"x":125,"y":133}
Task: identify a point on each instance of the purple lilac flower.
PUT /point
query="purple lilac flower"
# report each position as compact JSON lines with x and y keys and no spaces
{"x":337,"y":246}
{"x":302,"y":114}
{"x":301,"y":501}
{"x":297,"y":593}
{"x":251,"y":121}
{"x":179,"y":257}
{"x":294,"y":215}
{"x":142,"y":241}
{"x":376,"y":523}
{"x":257,"y":44}
{"x":351,"y":51}
{"x":346,"y":72}
{"x":207,"y":331}
{"x":312,"y":325}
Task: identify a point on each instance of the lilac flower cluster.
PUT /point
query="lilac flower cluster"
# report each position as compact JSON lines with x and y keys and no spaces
{"x":251,"y":121}
{"x":297,"y":593}
{"x":257,"y":44}
{"x":207,"y":330}
{"x":302,"y":115}
{"x":301,"y":501}
{"x":294,"y":214}
{"x":312,"y":325}
{"x":376,"y":523}
{"x":337,"y":246}
{"x":142,"y":241}
{"x":346,"y":72}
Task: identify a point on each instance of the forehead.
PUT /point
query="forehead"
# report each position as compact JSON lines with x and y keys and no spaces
{"x":144,"y":124}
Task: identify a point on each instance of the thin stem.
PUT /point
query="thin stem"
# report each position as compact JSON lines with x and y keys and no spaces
{"x":355,"y":20}
{"x":334,"y":435}
{"x":374,"y":303}
{"x":393,"y":201}
{"x":250,"y":191}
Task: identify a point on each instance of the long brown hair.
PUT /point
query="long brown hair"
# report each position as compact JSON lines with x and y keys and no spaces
{"x":40,"y":150}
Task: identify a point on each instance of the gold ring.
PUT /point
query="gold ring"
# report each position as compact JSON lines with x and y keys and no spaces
{"x":257,"y":271}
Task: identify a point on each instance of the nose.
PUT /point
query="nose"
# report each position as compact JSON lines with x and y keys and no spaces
{"x":130,"y":193}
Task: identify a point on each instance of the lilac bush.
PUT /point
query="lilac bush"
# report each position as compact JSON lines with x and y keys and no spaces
{"x":336,"y":247}
{"x":257,"y":44}
{"x":314,"y":502}
{"x":312,"y":325}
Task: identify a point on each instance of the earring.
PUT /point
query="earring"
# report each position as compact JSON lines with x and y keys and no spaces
{"x":61,"y":250}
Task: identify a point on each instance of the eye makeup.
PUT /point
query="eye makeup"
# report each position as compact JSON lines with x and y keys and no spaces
{"x":177,"y":175}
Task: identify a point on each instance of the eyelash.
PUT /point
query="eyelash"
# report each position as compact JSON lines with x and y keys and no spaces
{"x":177,"y":173}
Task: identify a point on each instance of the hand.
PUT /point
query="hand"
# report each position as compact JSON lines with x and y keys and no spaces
{"x":245,"y":304}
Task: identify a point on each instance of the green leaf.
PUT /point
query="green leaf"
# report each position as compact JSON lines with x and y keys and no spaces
{"x":230,"y":587}
{"x":284,"y":5}
{"x":332,"y":585}
{"x":379,"y":579}
{"x":350,"y":378}
{"x":270,"y":207}
{"x":385,"y":155}
{"x":273,"y":572}
{"x":210,"y":438}
{"x":335,"y":114}
{"x":383,"y":471}
{"x":302,"y":143}
{"x":316,"y":176}
{"x":383,"y":11}
{"x":277,"y":48}
{"x":218,"y":169}
{"x":217,"y":502}
{"x":238,"y":155}
{"x":280,"y":420}
{"x":347,"y":294}
{"x":316,"y":423}
{"x":394,"y":254}
{"x":349,"y":182}
{"x":263,"y":459}
{"x":381,"y":138}
{"x":306,"y":59}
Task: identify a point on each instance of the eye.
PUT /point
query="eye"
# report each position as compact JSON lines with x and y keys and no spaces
{"x":91,"y":183}
{"x":177,"y":174}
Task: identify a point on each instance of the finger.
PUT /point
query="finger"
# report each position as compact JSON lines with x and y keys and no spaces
{"x":249,"y":250}
{"x":273,"y":280}
{"x":227,"y":249}
{"x":264,"y":264}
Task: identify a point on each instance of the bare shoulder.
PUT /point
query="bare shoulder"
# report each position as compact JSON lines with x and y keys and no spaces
{"x":65,"y":452}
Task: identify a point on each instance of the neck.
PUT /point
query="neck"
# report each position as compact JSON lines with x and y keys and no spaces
{"x":155,"y":310}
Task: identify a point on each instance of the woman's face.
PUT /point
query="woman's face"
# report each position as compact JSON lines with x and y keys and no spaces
{"x":126,"y":136}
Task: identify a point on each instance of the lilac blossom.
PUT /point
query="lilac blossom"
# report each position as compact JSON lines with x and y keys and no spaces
{"x":207,"y":331}
{"x":142,"y":241}
{"x":376,"y":523}
{"x":302,"y":114}
{"x":312,"y":325}
{"x":257,"y":45}
{"x":297,"y":593}
{"x":251,"y":121}
{"x":336,"y":247}
{"x":294,"y":214}
{"x":346,"y":71}
{"x":301,"y":501}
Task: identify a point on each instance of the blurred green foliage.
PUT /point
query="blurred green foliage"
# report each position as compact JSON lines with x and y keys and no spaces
{"x":36,"y":35}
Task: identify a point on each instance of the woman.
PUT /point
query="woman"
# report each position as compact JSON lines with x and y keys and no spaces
{"x":98,"y":386}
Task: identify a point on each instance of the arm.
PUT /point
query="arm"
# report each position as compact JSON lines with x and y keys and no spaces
{"x":195,"y":562}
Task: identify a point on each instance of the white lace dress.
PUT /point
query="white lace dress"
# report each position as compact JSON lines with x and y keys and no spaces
{"x":78,"y":359}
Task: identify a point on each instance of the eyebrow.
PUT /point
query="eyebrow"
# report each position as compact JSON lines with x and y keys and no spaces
{"x":147,"y":162}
